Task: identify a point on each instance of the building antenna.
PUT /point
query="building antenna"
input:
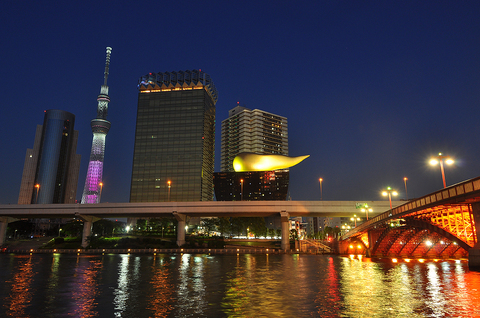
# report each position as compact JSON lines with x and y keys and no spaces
{"x":107,"y":65}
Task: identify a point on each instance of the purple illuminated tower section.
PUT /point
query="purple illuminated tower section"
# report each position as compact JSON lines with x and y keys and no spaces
{"x":100,"y":127}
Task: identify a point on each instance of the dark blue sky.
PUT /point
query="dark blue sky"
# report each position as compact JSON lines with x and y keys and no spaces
{"x":371,"y":89}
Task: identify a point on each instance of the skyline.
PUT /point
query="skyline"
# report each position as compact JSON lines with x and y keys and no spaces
{"x":370,"y":91}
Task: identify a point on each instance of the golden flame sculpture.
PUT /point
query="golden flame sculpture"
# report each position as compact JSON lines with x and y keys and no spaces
{"x":247,"y":161}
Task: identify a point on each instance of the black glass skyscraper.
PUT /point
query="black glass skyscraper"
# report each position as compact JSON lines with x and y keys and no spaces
{"x":50,"y":173}
{"x":174,"y":138}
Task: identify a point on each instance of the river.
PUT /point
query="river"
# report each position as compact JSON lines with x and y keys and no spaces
{"x":246,"y":285}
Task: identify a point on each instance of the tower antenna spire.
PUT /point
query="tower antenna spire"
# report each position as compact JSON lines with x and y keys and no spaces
{"x":100,"y":127}
{"x":107,"y":65}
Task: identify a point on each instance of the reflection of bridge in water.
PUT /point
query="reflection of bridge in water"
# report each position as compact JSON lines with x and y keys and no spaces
{"x":443,"y":224}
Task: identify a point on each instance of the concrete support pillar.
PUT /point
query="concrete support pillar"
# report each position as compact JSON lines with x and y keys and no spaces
{"x":182,"y":222}
{"x":284,"y":217}
{"x":4,"y":220}
{"x":368,"y":252}
{"x":3,"y":229}
{"x":474,"y":252}
{"x":87,"y":228}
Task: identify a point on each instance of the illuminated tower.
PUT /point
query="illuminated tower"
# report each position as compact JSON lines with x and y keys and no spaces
{"x":100,"y":127}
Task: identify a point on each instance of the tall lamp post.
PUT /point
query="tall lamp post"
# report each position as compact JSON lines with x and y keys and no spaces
{"x":440,"y":159}
{"x":321,"y":189}
{"x":100,"y":193}
{"x":406,"y":192}
{"x":37,"y":186}
{"x":169,"y":183}
{"x":355,"y":218}
{"x":241,"y":189}
{"x":389,"y":192}
{"x":366,"y":209}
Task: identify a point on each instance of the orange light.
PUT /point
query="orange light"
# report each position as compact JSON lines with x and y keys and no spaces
{"x":351,"y":246}
{"x":359,"y":246}
{"x":394,"y":260}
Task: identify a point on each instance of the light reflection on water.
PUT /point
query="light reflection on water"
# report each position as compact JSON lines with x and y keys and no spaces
{"x":188,"y":285}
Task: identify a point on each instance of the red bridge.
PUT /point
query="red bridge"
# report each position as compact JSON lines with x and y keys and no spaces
{"x":443,"y":224}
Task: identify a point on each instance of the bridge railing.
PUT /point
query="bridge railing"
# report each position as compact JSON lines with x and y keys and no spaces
{"x":456,"y":190}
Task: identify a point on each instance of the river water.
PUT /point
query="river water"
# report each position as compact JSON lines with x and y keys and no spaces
{"x":245,"y":285}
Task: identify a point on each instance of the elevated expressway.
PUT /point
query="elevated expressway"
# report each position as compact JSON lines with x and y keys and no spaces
{"x":443,"y":224}
{"x":183,"y":210}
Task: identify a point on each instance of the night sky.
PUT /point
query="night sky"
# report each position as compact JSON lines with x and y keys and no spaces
{"x":371,"y":89}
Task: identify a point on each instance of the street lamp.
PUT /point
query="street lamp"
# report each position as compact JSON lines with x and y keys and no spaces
{"x":366,"y":209}
{"x":321,"y":190}
{"x":439,"y":159}
{"x":38,"y":188}
{"x":389,"y":192}
{"x":169,"y":183}
{"x":59,"y":230}
{"x":241,"y":189}
{"x":406,"y":192}
{"x":345,"y":228}
{"x":100,"y":193}
{"x":355,"y":218}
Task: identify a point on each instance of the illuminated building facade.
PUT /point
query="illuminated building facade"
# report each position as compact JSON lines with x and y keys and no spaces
{"x":50,"y":172}
{"x":174,"y":138}
{"x":100,"y":127}
{"x":254,"y":131}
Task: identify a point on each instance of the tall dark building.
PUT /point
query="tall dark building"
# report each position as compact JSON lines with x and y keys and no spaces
{"x":174,"y":138}
{"x":50,"y":173}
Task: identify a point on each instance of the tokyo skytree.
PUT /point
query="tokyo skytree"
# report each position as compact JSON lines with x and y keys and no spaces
{"x":100,"y":127}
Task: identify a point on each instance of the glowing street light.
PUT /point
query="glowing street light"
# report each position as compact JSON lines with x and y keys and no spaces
{"x":439,"y":159}
{"x":59,"y":230}
{"x":169,"y":183}
{"x":406,"y":192}
{"x":389,"y":192}
{"x":100,"y":193}
{"x":37,"y":186}
{"x":355,"y":218}
{"x":345,"y":228}
{"x":366,"y":209}
{"x":241,"y":189}
{"x":321,"y":190}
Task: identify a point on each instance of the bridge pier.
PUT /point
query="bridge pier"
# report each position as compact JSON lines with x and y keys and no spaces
{"x":3,"y":229}
{"x":87,"y":228}
{"x":284,"y":217}
{"x":4,"y":220}
{"x":371,"y":243}
{"x":474,"y":252}
{"x":182,"y":222}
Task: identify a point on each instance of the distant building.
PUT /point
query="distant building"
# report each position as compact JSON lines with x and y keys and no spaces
{"x":256,"y":185}
{"x":174,"y":138}
{"x":254,"y":131}
{"x":50,"y":172}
